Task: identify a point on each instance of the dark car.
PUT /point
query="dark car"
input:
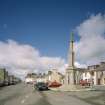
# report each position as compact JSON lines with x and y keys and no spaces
{"x":41,"y":86}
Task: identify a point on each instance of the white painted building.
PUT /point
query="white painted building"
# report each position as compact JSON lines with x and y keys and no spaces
{"x":95,"y":74}
{"x":29,"y":80}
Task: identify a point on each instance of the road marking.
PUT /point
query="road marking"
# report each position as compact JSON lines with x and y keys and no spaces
{"x":22,"y":102}
{"x":26,"y":96}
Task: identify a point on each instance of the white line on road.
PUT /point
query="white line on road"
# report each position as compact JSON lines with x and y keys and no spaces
{"x":26,"y":96}
{"x":22,"y":102}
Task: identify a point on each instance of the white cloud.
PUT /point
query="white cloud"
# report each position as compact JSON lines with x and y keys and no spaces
{"x":77,"y":64}
{"x":20,"y":59}
{"x":91,"y":47}
{"x":94,"y":26}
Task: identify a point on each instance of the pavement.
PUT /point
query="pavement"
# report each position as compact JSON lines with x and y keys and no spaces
{"x":23,"y":94}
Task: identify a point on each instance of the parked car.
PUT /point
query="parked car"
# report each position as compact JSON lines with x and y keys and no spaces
{"x":6,"y":80}
{"x":84,"y":82}
{"x":54,"y":84}
{"x":41,"y":86}
{"x":11,"y":80}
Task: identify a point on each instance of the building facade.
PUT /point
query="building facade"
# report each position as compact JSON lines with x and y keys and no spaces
{"x":94,"y":75}
{"x":54,"y":75}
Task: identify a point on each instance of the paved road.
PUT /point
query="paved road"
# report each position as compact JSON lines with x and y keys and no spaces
{"x":22,"y":94}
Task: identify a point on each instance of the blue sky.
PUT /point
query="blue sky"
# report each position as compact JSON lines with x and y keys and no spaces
{"x":45,"y":24}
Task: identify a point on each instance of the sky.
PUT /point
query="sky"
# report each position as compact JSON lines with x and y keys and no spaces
{"x":35,"y":34}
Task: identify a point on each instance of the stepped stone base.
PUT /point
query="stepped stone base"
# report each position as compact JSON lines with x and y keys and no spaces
{"x":72,"y":88}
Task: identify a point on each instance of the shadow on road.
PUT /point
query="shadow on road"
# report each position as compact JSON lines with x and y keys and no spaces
{"x":93,"y":100}
{"x":43,"y":100}
{"x":3,"y":101}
